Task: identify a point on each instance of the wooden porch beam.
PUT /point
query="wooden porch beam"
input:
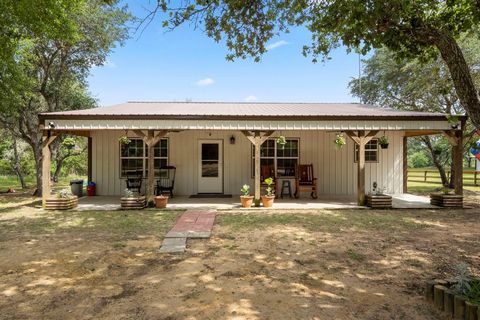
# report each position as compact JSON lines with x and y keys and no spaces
{"x":151,"y":140}
{"x":80,"y":133}
{"x":257,"y":138}
{"x":451,"y":137}
{"x":48,"y":138}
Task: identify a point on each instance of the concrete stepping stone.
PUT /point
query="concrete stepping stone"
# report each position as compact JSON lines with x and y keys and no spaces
{"x":193,"y":224}
{"x":173,"y":245}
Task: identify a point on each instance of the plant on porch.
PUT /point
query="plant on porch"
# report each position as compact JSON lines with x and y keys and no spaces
{"x":340,"y":141}
{"x":246,"y":198}
{"x":124,"y":140}
{"x":63,"y":200}
{"x":447,"y":198}
{"x":281,"y":141}
{"x":131,"y":200}
{"x":269,"y":196}
{"x":383,"y":142}
{"x":161,"y":201}
{"x":378,"y":199}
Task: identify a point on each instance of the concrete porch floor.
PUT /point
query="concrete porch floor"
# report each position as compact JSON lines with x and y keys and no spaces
{"x":399,"y":201}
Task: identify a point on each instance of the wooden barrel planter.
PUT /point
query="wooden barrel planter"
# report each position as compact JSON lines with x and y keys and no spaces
{"x":133,"y":202}
{"x":446,"y":200}
{"x":61,"y":203}
{"x":379,"y":201}
{"x":440,"y":294}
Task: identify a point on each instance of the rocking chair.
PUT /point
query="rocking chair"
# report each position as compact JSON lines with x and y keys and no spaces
{"x":268,"y":171}
{"x":305,"y":181}
{"x":166,"y":182}
{"x":134,"y":182}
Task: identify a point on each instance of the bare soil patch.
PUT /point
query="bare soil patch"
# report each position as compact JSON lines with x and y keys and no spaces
{"x":340,"y":264}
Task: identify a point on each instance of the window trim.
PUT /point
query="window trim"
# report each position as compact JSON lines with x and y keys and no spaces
{"x":355,"y":150}
{"x":275,"y":158}
{"x":144,"y":157}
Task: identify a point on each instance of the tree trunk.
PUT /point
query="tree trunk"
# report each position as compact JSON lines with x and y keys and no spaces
{"x":451,"y":183}
{"x":436,"y":161}
{"x":37,"y":155}
{"x":17,"y":166}
{"x":460,"y":72}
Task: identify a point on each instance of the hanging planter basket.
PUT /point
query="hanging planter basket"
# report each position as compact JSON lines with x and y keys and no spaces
{"x":340,"y":141}
{"x":281,"y":141}
{"x":124,"y":140}
{"x":383,"y":142}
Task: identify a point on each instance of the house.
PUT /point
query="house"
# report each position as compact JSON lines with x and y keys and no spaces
{"x":218,"y":147}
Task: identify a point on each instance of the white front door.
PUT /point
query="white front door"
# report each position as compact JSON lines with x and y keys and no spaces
{"x":210,"y":173}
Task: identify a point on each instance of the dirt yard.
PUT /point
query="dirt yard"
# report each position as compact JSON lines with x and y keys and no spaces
{"x":339,"y":264}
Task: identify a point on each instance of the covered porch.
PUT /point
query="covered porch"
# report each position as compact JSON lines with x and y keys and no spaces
{"x":399,"y":201}
{"x":238,"y":133}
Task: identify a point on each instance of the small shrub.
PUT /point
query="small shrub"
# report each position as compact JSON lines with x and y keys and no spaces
{"x":245,"y":190}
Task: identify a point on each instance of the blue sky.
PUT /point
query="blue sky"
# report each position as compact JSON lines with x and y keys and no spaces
{"x":186,"y":64}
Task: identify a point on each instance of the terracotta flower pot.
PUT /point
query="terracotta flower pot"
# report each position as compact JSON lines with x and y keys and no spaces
{"x":161,"y":202}
{"x":268,"y":201}
{"x":246,"y":201}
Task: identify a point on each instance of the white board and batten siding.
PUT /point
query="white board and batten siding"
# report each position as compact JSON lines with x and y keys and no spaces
{"x":335,"y":169}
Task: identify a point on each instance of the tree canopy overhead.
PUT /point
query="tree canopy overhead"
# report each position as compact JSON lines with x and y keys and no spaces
{"x":411,"y":29}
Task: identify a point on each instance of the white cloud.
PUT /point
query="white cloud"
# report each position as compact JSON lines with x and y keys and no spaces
{"x":277,"y":44}
{"x":205,"y":82}
{"x":250,"y":98}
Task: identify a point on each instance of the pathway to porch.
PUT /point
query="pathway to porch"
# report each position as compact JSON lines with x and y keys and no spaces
{"x":193,"y":224}
{"x":399,"y":201}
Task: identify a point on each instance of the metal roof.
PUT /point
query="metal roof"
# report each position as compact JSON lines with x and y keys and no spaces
{"x":240,"y":110}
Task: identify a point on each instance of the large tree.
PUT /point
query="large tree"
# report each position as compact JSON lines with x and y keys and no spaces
{"x":411,"y":29}
{"x":412,"y":85}
{"x":51,"y":70}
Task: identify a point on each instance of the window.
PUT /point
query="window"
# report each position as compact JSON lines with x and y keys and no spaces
{"x":371,"y":151}
{"x":284,"y":159}
{"x":134,"y":157}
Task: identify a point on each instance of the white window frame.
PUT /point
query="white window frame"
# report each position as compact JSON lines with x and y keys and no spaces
{"x":144,"y":157}
{"x":275,"y":157}
{"x":355,"y":152}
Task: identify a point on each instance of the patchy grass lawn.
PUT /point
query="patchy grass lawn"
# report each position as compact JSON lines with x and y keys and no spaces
{"x":338,"y":264}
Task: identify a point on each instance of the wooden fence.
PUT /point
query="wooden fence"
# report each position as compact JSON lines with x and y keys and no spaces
{"x":470,"y":177}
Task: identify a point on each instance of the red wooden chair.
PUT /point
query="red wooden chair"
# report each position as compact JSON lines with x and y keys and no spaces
{"x":305,"y":181}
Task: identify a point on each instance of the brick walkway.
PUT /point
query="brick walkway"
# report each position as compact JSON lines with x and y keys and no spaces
{"x":192,"y":224}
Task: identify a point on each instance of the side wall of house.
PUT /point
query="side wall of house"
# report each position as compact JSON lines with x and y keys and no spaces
{"x":335,"y":169}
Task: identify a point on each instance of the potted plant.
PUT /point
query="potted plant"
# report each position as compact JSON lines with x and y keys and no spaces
{"x":269,"y":196}
{"x":281,"y":141}
{"x":63,"y":200}
{"x":383,"y":142}
{"x":246,"y":198}
{"x":161,"y":201}
{"x":377,"y":199}
{"x":447,"y":198}
{"x":124,"y":140}
{"x":340,"y":141}
{"x":130,"y":200}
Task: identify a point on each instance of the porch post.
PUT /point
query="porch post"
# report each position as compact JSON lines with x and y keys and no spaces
{"x":405,"y":164}
{"x":455,"y":137}
{"x":151,"y":140}
{"x":361,"y":139}
{"x":257,"y":139}
{"x":257,"y":170}
{"x":48,"y":138}
{"x":361,"y":169}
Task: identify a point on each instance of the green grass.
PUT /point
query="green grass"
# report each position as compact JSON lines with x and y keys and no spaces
{"x":118,"y":223}
{"x":7,"y":182}
{"x":428,"y":187}
{"x":332,"y":221}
